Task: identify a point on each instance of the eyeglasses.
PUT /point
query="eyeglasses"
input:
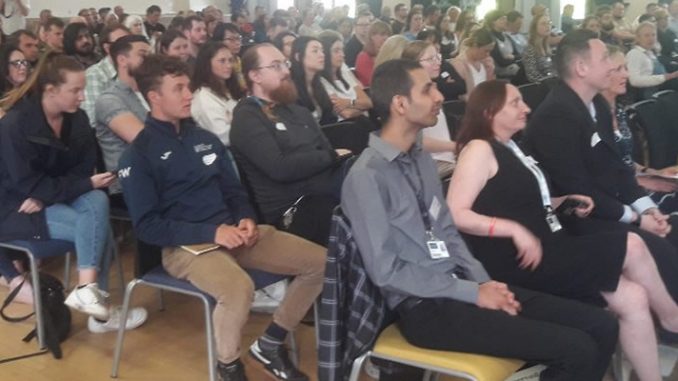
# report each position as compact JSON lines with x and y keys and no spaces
{"x":19,"y":63}
{"x":234,"y":39}
{"x":436,"y":58}
{"x":278,"y":66}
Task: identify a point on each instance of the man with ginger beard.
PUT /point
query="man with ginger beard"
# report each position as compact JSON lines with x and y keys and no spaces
{"x":278,"y":144}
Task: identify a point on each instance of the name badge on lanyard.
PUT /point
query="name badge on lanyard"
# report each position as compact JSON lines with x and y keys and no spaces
{"x":552,"y":220}
{"x":436,"y":248}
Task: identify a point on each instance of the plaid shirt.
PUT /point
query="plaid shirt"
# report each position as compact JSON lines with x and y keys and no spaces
{"x":99,"y":78}
{"x":352,"y":311}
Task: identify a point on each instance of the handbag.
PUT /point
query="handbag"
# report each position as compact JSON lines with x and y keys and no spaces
{"x":56,"y":316}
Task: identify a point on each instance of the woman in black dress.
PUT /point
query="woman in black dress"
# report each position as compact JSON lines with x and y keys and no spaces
{"x":500,"y":200}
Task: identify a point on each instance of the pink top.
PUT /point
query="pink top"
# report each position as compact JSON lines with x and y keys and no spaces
{"x":364,"y":66}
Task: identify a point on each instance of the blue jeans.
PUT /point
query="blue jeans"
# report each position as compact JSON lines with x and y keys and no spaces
{"x":85,"y":223}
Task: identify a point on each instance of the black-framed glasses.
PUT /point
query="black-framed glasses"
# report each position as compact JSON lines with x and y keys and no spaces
{"x":234,"y":39}
{"x":19,"y":63}
{"x":278,"y":66}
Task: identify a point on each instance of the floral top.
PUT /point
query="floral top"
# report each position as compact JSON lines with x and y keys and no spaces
{"x":623,"y":137}
{"x":537,"y":66}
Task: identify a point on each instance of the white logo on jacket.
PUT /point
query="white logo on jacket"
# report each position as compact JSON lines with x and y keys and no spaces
{"x":209,"y":159}
{"x":165,"y":155}
{"x":124,"y":172}
{"x":202,"y":147}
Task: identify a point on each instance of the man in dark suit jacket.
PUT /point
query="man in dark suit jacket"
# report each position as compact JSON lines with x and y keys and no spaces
{"x":571,"y":135}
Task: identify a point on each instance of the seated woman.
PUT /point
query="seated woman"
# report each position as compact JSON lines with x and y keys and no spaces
{"x":345,"y":91}
{"x":308,"y":60}
{"x":661,"y":191}
{"x":391,"y":50}
{"x":283,"y":41}
{"x":14,"y":68}
{"x":448,"y":40}
{"x":413,"y":25}
{"x":364,"y":63}
{"x":501,"y":202}
{"x":48,"y":190}
{"x":645,"y":70}
{"x":436,"y":139}
{"x":173,"y":43}
{"x":537,"y":56}
{"x":216,"y":90}
{"x":504,"y":53}
{"x":474,"y":63}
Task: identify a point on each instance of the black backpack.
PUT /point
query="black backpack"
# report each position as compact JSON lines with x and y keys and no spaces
{"x":57,"y":316}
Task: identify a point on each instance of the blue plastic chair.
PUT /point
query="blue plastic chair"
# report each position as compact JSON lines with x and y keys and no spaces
{"x":149,"y":257}
{"x":37,"y":250}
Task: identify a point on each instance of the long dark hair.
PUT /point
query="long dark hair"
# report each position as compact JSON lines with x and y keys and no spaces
{"x":485,"y":101}
{"x":71,"y":36}
{"x":6,"y":51}
{"x":328,"y":38}
{"x":203,"y":76}
{"x":166,"y":39}
{"x":299,"y":77}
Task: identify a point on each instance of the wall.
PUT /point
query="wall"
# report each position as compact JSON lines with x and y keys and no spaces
{"x":66,"y":8}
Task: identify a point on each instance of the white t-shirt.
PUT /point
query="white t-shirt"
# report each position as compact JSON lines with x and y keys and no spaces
{"x":213,"y":113}
{"x":440,"y":131}
{"x":340,"y":90}
{"x":12,"y":19}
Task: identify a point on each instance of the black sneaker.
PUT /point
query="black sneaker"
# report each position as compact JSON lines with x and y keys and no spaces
{"x":234,"y":372}
{"x":277,"y":362}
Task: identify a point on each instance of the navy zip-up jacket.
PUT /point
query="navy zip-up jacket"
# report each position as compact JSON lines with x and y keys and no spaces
{"x":180,"y":187}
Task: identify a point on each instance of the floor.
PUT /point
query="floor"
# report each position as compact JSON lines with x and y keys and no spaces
{"x":169,"y":346}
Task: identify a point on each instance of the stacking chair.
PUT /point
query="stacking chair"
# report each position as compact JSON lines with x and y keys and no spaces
{"x":647,"y":116}
{"x":149,"y":272}
{"x":35,"y":251}
{"x":347,"y":134}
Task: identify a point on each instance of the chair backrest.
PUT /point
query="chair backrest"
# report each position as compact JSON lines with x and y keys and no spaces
{"x":533,"y":94}
{"x":661,"y":145}
{"x":454,"y":112}
{"x":347,"y":134}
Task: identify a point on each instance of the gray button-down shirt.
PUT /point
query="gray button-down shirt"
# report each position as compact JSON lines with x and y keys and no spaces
{"x":390,"y":231}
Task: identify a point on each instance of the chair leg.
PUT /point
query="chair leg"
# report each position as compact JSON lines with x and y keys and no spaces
{"x":357,"y":366}
{"x":161,"y":300}
{"x":211,"y":345}
{"x":121,"y":329}
{"x":67,"y":272}
{"x":316,"y":323}
{"x":37,"y":300}
{"x":294,"y":349}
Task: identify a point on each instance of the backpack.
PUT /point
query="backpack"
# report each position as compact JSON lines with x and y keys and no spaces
{"x":56,"y":316}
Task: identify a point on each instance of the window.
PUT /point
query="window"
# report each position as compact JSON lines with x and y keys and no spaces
{"x":579,"y":8}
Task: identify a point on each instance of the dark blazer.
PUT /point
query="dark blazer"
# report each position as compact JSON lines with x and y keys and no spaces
{"x":580,"y":154}
{"x":35,"y":163}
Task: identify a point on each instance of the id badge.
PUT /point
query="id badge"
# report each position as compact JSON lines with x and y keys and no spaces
{"x":553,"y":222}
{"x":437,"y":249}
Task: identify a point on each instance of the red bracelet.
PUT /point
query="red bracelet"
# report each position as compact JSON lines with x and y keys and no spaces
{"x":490,"y":231}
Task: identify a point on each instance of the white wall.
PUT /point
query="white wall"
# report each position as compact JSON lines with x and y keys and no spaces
{"x":67,"y":8}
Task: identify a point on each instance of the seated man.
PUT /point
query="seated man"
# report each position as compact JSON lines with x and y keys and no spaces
{"x":120,"y":110}
{"x":181,"y":191}
{"x":413,"y":252}
{"x":278,"y":143}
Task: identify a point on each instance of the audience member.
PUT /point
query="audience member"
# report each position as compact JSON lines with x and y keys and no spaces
{"x":592,"y":23}
{"x":431,"y":15}
{"x":400,"y":18}
{"x":152,"y":24}
{"x":567,"y":23}
{"x":48,"y":188}
{"x":514,"y":26}
{"x":645,"y":70}
{"x":308,"y":26}
{"x":276,"y":26}
{"x":443,"y":296}
{"x":355,"y":45}
{"x":89,"y":20}
{"x":415,"y":23}
{"x":53,"y":35}
{"x":474,"y":63}
{"x":194,"y":29}
{"x":27,"y":42}
{"x":135,"y":24}
{"x":364,"y":64}
{"x":622,"y":27}
{"x":14,"y":68}
{"x":194,"y":197}
{"x":448,"y":40}
{"x":102,"y":74}
{"x":391,"y":50}
{"x":173,"y":43}
{"x":229,"y":35}
{"x":308,"y":61}
{"x":284,"y":43}
{"x":673,"y":16}
{"x":667,"y":40}
{"x":504,"y":53}
{"x":79,"y":44}
{"x":501,"y":201}
{"x":345,"y":27}
{"x":453,"y":13}
{"x":120,"y":110}
{"x":537,"y":58}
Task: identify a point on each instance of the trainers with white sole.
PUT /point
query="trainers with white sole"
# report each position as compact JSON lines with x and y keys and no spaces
{"x":89,"y":300}
{"x":135,"y":317}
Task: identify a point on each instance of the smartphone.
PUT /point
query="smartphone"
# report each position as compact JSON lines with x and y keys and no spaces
{"x":569,"y":205}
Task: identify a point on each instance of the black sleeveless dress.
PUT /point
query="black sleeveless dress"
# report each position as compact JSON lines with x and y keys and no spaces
{"x":573,"y":266}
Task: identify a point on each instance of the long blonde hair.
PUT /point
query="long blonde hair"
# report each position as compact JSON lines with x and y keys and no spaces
{"x":541,"y":44}
{"x":50,"y":70}
{"x":391,"y":50}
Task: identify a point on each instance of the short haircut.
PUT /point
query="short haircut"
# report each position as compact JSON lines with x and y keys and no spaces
{"x":149,"y":74}
{"x":390,"y":79}
{"x":220,"y":30}
{"x":399,"y":6}
{"x":645,"y":18}
{"x":513,"y":16}
{"x":123,"y":45}
{"x":277,"y":21}
{"x":54,"y":21}
{"x":21,"y":32}
{"x":187,"y":23}
{"x":153,"y":9}
{"x":105,"y":35}
{"x":83,"y":12}
{"x":431,"y":9}
{"x":102,"y":11}
{"x":574,"y":44}
{"x":603,"y":9}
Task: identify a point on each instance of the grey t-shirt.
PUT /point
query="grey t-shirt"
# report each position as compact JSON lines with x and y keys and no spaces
{"x":117,"y":99}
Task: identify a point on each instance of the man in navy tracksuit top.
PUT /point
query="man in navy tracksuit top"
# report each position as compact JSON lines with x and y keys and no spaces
{"x":181,"y":190}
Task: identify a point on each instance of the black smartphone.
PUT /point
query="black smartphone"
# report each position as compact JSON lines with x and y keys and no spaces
{"x":569,"y":205}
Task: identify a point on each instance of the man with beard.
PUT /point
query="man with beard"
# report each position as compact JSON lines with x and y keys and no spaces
{"x":79,"y":44}
{"x":27,"y":42}
{"x":608,"y":33}
{"x":195,"y":30}
{"x":277,"y":143}
{"x":182,"y":190}
{"x":121,"y":110}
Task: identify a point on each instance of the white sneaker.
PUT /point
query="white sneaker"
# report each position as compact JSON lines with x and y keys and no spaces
{"x":135,"y":317}
{"x":89,"y":300}
{"x":268,"y":298}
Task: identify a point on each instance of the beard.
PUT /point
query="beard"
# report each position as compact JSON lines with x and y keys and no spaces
{"x":285,"y":94}
{"x":607,"y":27}
{"x":85,"y":49}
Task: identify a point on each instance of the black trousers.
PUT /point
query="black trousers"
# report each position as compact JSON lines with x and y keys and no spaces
{"x":574,"y":340}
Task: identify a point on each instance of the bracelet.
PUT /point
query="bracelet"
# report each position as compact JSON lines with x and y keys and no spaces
{"x":490,"y":231}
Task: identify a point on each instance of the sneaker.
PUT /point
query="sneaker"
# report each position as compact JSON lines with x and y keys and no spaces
{"x":277,"y":362}
{"x":135,"y":317}
{"x":268,"y":298}
{"x":90,"y":300}
{"x":235,"y":372}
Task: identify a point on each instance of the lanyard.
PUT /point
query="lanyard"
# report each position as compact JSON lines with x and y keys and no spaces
{"x":531,"y":164}
{"x":419,"y":195}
